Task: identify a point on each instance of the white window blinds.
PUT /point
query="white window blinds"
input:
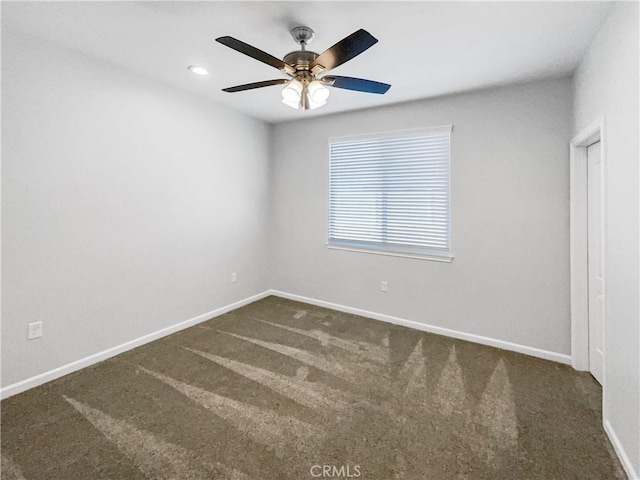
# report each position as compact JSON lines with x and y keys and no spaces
{"x":390,"y":192}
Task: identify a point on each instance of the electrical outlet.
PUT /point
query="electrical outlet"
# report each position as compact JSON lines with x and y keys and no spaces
{"x":34,"y":330}
{"x":234,"y":277}
{"x":384,"y":286}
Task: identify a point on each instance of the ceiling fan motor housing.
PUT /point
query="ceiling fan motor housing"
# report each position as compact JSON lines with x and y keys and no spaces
{"x":300,"y":59}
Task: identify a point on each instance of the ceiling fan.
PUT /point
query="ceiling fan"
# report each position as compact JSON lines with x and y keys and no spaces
{"x":305,"y":89}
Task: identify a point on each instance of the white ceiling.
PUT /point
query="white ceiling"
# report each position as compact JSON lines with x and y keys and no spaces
{"x":425,"y":49}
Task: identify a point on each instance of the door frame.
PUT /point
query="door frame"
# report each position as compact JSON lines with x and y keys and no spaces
{"x":578,"y":244}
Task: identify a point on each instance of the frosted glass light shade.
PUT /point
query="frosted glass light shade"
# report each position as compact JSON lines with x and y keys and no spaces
{"x":318,"y":93}
{"x":292,"y":91}
{"x":293,"y":104}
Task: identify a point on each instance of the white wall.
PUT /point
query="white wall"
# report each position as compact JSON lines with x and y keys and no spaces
{"x":606,"y":83}
{"x":126,"y":206}
{"x":509,"y":279}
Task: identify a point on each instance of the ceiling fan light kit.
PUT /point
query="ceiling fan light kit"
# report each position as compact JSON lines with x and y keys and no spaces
{"x":305,"y":89}
{"x":305,"y":94}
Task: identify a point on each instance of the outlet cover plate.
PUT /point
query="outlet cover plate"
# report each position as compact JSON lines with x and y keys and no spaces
{"x":34,"y":330}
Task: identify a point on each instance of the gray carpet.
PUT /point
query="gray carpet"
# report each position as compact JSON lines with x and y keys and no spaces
{"x":285,"y":390}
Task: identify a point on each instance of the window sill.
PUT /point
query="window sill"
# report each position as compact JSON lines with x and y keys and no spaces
{"x":444,"y":257}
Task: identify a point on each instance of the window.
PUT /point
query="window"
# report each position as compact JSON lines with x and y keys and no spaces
{"x":389,"y":193}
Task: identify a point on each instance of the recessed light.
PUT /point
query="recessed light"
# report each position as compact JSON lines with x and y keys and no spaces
{"x":198,"y":70}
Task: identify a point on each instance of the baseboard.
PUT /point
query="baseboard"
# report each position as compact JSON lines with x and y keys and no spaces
{"x":45,"y":377}
{"x":55,"y":373}
{"x":492,"y":342}
{"x":620,"y":451}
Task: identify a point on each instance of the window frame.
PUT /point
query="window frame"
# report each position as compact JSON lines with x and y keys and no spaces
{"x":416,"y":252}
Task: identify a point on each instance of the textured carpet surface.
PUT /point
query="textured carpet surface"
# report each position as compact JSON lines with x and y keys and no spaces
{"x":284,"y":390}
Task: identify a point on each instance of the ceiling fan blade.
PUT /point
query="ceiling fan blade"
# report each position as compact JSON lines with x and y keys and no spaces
{"x":343,"y":51}
{"x":256,"y":53}
{"x":251,"y":86}
{"x":358,"y":84}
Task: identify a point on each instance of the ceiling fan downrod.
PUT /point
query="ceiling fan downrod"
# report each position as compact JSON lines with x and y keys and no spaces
{"x":301,"y":59}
